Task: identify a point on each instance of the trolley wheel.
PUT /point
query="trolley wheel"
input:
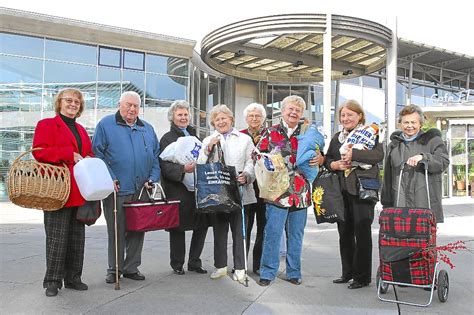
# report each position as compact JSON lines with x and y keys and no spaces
{"x":383,"y":285}
{"x":443,"y":285}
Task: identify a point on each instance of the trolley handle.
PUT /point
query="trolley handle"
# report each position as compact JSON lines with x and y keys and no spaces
{"x":402,"y":167}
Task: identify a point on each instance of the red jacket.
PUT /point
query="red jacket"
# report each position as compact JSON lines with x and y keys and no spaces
{"x":58,"y":143}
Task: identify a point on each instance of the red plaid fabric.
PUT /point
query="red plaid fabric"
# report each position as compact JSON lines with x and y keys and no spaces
{"x":413,"y":244}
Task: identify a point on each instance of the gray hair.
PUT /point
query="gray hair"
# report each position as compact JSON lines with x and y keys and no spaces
{"x":179,"y":104}
{"x":216,"y":110}
{"x":255,"y":107}
{"x":410,"y":109}
{"x":130,"y":94}
{"x":293,"y":99}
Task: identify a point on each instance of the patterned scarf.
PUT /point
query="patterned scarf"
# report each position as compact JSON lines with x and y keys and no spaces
{"x":255,"y":135}
{"x":346,"y":133}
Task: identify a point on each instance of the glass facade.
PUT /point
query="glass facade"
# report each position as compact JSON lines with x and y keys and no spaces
{"x":34,"y":69}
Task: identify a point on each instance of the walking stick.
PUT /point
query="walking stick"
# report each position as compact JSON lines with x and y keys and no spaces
{"x":117,"y":283}
{"x":243,"y":234}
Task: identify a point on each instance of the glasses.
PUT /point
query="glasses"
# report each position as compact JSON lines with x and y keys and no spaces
{"x":70,"y":100}
{"x":253,"y":116}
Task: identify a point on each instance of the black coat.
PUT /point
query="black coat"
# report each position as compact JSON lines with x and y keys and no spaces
{"x":413,"y":184}
{"x":372,"y":157}
{"x":171,"y":176}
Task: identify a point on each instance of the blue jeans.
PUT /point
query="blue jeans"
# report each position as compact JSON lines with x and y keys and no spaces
{"x":277,"y":219}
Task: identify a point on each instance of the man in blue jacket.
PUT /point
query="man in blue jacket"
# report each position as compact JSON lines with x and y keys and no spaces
{"x":130,"y":149}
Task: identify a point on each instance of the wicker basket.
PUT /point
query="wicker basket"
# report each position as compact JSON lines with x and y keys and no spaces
{"x":42,"y":186}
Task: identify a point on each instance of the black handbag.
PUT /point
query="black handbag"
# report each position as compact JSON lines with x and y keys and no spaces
{"x":89,"y":212}
{"x":327,"y":198}
{"x":216,"y":185}
{"x":369,"y":189}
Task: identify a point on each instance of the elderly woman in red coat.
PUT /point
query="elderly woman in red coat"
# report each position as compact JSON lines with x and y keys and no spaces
{"x":63,"y":140}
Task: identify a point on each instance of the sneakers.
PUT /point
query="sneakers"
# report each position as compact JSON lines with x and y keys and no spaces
{"x":239,"y":275}
{"x":219,"y":273}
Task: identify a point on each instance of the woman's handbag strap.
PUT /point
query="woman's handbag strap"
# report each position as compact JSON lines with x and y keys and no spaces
{"x":220,"y":154}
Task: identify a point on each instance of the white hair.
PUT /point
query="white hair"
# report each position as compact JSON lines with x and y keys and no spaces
{"x":177,"y":105}
{"x":257,"y":107}
{"x":132,"y":94}
{"x":293,"y":99}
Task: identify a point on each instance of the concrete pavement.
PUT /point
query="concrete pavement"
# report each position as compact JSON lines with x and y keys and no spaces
{"x":22,"y":256}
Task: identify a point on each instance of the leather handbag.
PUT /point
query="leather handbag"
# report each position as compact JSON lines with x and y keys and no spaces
{"x":369,"y":189}
{"x":157,"y":213}
{"x":89,"y":212}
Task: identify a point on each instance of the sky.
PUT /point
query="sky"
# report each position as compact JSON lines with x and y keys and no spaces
{"x":444,"y":24}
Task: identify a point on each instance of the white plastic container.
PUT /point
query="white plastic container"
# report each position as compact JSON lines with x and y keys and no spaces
{"x":93,"y":179}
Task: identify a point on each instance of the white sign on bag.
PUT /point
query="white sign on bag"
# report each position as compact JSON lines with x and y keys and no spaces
{"x":93,"y":179}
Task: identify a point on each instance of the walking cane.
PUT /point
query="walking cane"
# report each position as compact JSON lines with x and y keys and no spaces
{"x":117,"y":283}
{"x":241,"y":188}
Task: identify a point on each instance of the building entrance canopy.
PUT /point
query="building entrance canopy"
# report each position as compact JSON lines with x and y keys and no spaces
{"x":289,"y":48}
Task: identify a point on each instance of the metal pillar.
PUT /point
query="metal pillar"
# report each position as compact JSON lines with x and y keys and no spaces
{"x":327,"y":58}
{"x":410,"y":82}
{"x":336,"y":108}
{"x":391,"y":109}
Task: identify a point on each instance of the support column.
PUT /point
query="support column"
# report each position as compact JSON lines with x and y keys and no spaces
{"x":391,"y":109}
{"x":336,"y":107}
{"x":410,"y":83}
{"x":327,"y":69}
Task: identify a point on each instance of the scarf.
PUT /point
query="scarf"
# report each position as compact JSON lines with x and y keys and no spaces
{"x":344,"y":134}
{"x":412,"y":138}
{"x":255,"y":135}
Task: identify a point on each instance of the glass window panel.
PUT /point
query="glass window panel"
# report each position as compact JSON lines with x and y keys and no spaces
{"x":354,"y":81}
{"x":156,"y":63}
{"x":213,"y":98}
{"x":109,"y":87}
{"x":20,"y":70}
{"x":58,"y":72}
{"x":470,"y":131}
{"x":458,"y":131}
{"x":60,"y":75}
{"x":133,"y":60}
{"x":400,"y":95}
{"x":133,"y":81}
{"x":165,"y":89}
{"x":21,"y":45}
{"x":203,"y":104}
{"x":67,"y":51}
{"x":177,"y":67}
{"x":110,"y":57}
{"x":371,"y":82}
{"x":22,"y":97}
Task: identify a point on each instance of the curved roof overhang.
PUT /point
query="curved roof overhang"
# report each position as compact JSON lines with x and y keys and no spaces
{"x":289,"y":48}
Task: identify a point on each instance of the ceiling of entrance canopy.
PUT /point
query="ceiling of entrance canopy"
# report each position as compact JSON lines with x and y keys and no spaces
{"x":289,"y":48}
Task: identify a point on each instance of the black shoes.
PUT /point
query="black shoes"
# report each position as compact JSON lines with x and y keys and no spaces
{"x":197,"y":269}
{"x":76,"y":285}
{"x":341,"y":280}
{"x":357,"y":285}
{"x":179,"y":270}
{"x":110,"y":278}
{"x":135,"y":276}
{"x":264,"y":282}
{"x":52,"y":290}
{"x":295,"y":281}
